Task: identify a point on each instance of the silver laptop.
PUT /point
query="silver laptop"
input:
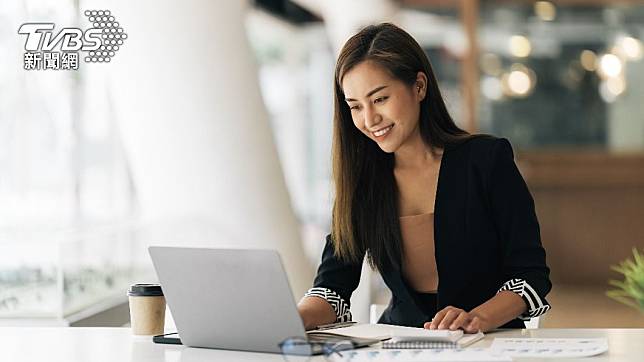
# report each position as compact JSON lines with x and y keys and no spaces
{"x":229,"y":298}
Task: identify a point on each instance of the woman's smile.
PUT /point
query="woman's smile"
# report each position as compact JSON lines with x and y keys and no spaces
{"x":380,"y":134}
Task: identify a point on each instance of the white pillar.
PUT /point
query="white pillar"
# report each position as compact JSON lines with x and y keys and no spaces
{"x":345,"y":18}
{"x":626,"y":115}
{"x":187,"y":99}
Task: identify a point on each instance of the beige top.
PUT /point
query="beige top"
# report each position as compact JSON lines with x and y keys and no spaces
{"x":419,"y":264}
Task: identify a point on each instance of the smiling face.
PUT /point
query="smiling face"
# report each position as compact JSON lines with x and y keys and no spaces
{"x":383,"y":108}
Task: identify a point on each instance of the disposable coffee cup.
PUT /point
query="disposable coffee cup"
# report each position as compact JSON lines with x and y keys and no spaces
{"x":147,"y":309}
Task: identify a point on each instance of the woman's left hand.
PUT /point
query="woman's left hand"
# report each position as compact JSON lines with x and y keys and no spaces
{"x":455,"y":318}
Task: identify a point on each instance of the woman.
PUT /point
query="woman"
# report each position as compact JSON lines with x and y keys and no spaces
{"x":444,"y":216}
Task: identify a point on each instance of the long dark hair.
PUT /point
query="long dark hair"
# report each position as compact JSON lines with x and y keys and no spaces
{"x":365,"y":210}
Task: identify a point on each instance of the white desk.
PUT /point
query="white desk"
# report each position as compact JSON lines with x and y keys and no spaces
{"x":117,"y":344}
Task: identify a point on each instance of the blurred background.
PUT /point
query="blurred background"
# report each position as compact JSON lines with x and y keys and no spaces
{"x":212,"y":127}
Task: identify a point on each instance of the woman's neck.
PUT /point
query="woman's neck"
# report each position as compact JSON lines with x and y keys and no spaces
{"x":414,"y":154}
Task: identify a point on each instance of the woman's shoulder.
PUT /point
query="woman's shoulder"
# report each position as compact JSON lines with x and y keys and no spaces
{"x":482,"y":149}
{"x":478,"y":143}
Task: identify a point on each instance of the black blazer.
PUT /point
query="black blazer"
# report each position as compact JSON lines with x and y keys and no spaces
{"x":486,"y":234}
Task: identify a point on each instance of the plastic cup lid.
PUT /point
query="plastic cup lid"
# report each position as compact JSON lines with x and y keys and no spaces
{"x":145,"y":290}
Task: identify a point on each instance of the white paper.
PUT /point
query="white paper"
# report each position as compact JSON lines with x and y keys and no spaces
{"x":413,"y":355}
{"x":549,"y":347}
{"x":371,"y":331}
{"x":469,"y":339}
{"x":385,"y":331}
{"x":400,"y":334}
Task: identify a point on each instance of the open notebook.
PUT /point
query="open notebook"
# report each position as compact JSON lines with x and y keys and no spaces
{"x":405,"y":337}
{"x":418,"y":338}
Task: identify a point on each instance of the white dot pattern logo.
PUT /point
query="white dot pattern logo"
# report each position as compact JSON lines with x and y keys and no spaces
{"x":112,"y":34}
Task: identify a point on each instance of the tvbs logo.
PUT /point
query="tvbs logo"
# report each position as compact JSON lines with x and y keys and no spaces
{"x":47,"y":49}
{"x":39,"y":37}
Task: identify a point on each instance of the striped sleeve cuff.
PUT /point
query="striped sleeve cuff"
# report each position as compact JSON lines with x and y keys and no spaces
{"x":536,"y":305}
{"x":340,"y":306}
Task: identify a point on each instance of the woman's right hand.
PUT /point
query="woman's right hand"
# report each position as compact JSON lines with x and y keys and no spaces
{"x":315,"y":311}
